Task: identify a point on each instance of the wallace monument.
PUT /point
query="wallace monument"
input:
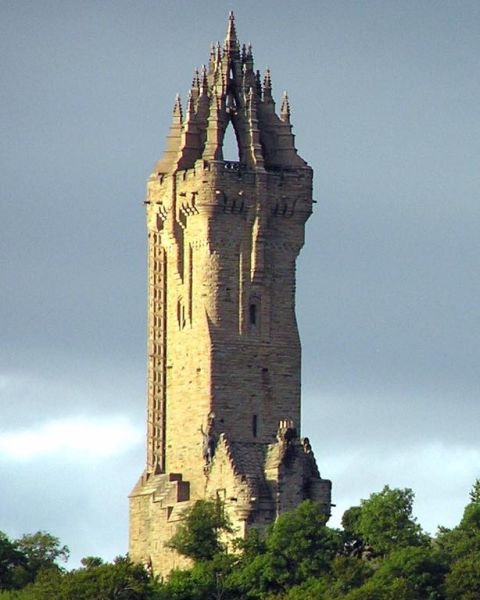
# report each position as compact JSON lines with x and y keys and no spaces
{"x":223,"y":343}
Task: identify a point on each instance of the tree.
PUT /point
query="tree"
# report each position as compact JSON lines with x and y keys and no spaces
{"x":47,"y":585}
{"x":398,"y":589}
{"x":346,"y":574}
{"x":43,"y":551}
{"x":90,"y":562}
{"x":422,"y":568}
{"x":298,"y":546}
{"x":464,"y":539}
{"x":261,"y":576}
{"x":11,"y":560}
{"x":120,"y":580}
{"x":463,"y":581}
{"x":385,"y":521}
{"x":312,"y":589}
{"x":206,"y":580}
{"x":199,"y":535}
{"x":353,"y":543}
{"x":302,"y":539}
{"x":475,"y":493}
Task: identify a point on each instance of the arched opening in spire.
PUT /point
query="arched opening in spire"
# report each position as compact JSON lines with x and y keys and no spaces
{"x":230,"y":146}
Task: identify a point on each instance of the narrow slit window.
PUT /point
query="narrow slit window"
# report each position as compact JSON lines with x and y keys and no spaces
{"x":181,"y":314}
{"x":254,"y":426}
{"x":253,"y":314}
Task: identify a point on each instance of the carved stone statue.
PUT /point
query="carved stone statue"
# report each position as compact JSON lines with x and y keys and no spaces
{"x":209,"y":440}
{"x":307,"y":448}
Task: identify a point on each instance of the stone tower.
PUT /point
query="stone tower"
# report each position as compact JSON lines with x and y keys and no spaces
{"x":223,"y":344}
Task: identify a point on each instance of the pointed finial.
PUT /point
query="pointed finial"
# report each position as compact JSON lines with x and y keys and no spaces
{"x":196,"y":80}
{"x":190,"y":106}
{"x":267,"y":86}
{"x":231,"y":37}
{"x":258,"y":83}
{"x":248,"y":60}
{"x":195,"y":89}
{"x":177,"y":109}
{"x":285,"y":110}
{"x":267,"y":80}
{"x":244,"y":53}
{"x":231,"y":45}
{"x":204,"y":81}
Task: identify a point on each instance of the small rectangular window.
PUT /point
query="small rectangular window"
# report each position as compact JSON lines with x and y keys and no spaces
{"x":254,"y":425}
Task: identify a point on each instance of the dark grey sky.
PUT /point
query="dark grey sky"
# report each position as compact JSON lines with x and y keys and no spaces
{"x":385,"y":106}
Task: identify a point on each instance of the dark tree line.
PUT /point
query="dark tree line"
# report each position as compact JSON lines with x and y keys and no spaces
{"x":381,"y":553}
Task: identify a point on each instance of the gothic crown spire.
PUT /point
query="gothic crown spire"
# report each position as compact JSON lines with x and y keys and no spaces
{"x":228,"y":93}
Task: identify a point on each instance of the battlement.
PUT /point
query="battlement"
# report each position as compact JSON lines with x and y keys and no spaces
{"x":213,"y":187}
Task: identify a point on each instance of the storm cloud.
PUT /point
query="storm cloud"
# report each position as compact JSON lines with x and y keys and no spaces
{"x":385,"y":109}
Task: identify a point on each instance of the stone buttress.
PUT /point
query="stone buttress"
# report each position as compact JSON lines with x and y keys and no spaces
{"x":223,"y":344}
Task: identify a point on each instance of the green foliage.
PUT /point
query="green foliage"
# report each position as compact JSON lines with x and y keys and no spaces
{"x":300,"y":558}
{"x":302,"y":539}
{"x":346,"y":574}
{"x":205,"y":581}
{"x":251,"y":546}
{"x":120,"y":580}
{"x":353,"y":543}
{"x":463,"y":581}
{"x":48,"y":584}
{"x":398,"y":589}
{"x":43,"y":551}
{"x":12,"y":560}
{"x":91,"y":561}
{"x":312,"y":589}
{"x":261,"y":575}
{"x":350,"y":520}
{"x":297,"y":547}
{"x":422,"y":568}
{"x":475,"y":492}
{"x":385,"y":521}
{"x":463,"y":540}
{"x":199,"y":535}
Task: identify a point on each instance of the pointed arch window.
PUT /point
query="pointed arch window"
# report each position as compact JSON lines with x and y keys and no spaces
{"x":231,"y":151}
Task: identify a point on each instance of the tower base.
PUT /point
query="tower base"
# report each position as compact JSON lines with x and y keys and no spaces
{"x":255,"y":481}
